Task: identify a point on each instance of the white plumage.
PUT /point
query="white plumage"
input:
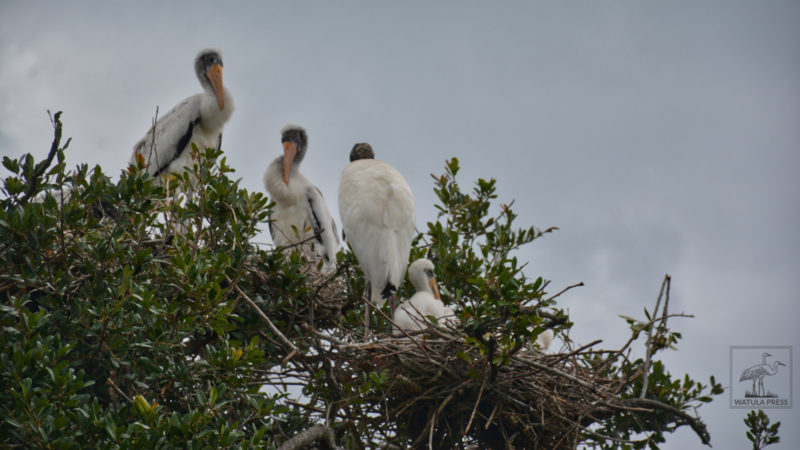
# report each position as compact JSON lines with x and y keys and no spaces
{"x":300,"y":210}
{"x":198,"y":119}
{"x":377,"y":210}
{"x":544,"y":340}
{"x":413,"y":314}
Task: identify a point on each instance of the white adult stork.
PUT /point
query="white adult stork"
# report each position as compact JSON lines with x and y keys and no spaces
{"x":377,"y":210}
{"x":300,"y":211}
{"x":196,"y":120}
{"x":413,"y":314}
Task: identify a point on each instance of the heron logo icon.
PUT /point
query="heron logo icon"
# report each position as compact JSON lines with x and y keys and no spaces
{"x":761,"y":377}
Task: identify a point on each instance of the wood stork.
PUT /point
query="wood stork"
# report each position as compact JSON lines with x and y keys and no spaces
{"x":413,"y":314}
{"x":544,"y":339}
{"x":300,"y":212}
{"x":377,"y":210}
{"x":195,"y":120}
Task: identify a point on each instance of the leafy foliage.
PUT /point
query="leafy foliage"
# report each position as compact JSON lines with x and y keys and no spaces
{"x":103,"y":306}
{"x":132,"y":319}
{"x":500,"y":306}
{"x":760,"y":432}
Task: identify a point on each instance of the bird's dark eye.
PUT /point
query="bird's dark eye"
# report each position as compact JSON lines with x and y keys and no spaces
{"x":429,"y":273}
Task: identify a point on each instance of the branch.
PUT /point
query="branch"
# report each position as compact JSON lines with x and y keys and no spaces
{"x":317,"y":433}
{"x":269,"y":322}
{"x":698,"y":426}
{"x":614,"y":354}
{"x":565,"y":290}
{"x":649,"y":344}
{"x":42,"y":166}
{"x":153,"y":149}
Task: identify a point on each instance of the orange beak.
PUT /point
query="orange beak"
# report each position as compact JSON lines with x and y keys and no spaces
{"x":289,"y":150}
{"x":434,"y":288}
{"x":215,"y":75}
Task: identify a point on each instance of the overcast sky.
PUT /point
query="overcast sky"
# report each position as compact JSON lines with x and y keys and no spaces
{"x":660,"y":137}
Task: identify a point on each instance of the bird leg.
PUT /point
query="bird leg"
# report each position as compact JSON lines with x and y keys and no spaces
{"x":366,"y":322}
{"x":366,"y":311}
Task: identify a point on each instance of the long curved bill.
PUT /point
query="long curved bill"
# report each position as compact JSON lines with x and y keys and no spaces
{"x":434,"y":288}
{"x":215,"y":75}
{"x":289,"y":151}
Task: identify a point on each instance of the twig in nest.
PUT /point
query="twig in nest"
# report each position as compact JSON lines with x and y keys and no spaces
{"x":389,"y":319}
{"x":475,"y":408}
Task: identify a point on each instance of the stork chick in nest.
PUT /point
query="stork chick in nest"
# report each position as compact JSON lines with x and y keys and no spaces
{"x":413,"y":314}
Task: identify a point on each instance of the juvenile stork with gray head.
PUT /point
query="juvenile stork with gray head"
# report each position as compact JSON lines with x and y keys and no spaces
{"x":300,"y":216}
{"x":378,"y":219}
{"x":166,"y":147}
{"x":413,"y":314}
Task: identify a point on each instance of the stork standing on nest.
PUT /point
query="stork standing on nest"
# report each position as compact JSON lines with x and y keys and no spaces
{"x":167,"y":146}
{"x":301,"y":215}
{"x":413,"y":314}
{"x":377,"y":210}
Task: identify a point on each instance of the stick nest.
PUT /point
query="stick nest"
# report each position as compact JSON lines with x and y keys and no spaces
{"x":439,"y":388}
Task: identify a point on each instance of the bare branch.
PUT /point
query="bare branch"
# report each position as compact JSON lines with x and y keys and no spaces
{"x":649,"y":344}
{"x":266,"y":319}
{"x":565,"y":290}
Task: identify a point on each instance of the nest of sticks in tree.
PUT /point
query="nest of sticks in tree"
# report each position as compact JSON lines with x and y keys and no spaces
{"x":439,"y":388}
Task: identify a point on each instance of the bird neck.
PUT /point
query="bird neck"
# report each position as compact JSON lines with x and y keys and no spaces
{"x":420,"y":283}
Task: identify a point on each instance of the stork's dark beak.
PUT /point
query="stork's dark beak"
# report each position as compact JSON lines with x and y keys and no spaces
{"x":434,"y":288}
{"x":289,"y":151}
{"x":215,"y":76}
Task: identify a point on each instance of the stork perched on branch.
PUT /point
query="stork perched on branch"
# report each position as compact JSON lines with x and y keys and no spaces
{"x":378,"y":220}
{"x":167,"y":147}
{"x":301,"y":215}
